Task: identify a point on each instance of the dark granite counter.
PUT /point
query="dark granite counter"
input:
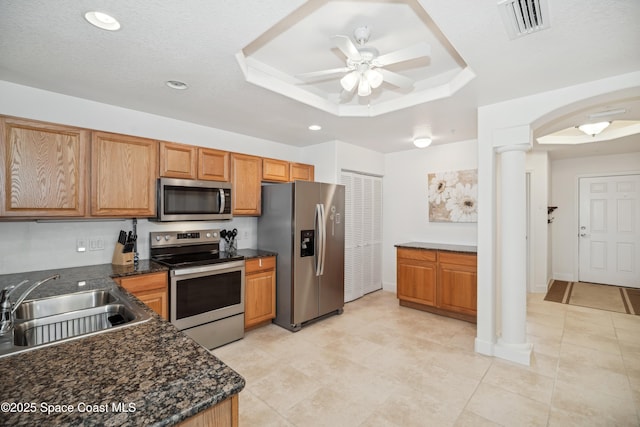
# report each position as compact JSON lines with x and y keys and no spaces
{"x":439,"y":246}
{"x":255,"y":253}
{"x":78,"y":279}
{"x":146,"y":374}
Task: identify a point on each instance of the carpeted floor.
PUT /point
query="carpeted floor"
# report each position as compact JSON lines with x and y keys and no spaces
{"x":603,"y":297}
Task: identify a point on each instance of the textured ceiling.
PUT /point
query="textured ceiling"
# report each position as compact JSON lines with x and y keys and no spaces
{"x":49,"y":45}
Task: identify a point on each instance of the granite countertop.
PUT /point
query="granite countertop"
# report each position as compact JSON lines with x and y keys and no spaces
{"x":439,"y":246}
{"x":255,"y":253}
{"x":152,"y":370}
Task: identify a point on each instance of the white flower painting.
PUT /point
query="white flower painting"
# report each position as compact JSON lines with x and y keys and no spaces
{"x":453,"y":196}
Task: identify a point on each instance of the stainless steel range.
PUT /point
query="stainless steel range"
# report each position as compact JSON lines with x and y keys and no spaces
{"x":206,"y":290}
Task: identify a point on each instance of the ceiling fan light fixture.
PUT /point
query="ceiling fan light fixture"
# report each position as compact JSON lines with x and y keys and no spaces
{"x":374,"y":77}
{"x":422,"y":142}
{"x":349,"y":81}
{"x":593,"y":129}
{"x":364,"y":88}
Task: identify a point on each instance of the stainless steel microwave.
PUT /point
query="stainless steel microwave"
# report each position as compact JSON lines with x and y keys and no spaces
{"x":193,"y":200}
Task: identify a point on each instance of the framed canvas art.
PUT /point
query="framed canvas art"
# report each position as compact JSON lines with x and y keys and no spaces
{"x":453,"y":196}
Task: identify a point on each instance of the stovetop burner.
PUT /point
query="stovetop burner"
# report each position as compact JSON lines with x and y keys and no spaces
{"x":188,"y":249}
{"x":195,"y":259}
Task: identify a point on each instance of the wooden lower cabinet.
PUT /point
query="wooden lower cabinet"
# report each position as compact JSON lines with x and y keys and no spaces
{"x":223,"y":414}
{"x":439,"y":281}
{"x":151,"y":289}
{"x":260,"y":291}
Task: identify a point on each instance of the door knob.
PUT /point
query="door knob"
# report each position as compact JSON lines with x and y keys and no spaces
{"x":583,"y":234}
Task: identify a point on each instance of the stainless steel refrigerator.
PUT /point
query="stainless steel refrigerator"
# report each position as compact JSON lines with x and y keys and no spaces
{"x":303,"y":222}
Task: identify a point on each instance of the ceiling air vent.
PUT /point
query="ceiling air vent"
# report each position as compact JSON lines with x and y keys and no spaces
{"x":522,"y":17}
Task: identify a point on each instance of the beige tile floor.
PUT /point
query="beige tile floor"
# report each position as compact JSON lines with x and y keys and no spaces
{"x":379,"y":364}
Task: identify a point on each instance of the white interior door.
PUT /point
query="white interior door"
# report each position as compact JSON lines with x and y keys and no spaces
{"x":609,"y":230}
{"x":363,"y":233}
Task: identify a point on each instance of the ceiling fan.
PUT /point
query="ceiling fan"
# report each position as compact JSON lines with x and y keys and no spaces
{"x":364,"y":68}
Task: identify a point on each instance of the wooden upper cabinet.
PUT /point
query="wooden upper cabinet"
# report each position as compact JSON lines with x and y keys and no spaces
{"x":123,"y":175}
{"x":191,"y":162}
{"x":178,"y":160}
{"x":301,"y":172}
{"x":213,"y":165}
{"x":43,"y":172}
{"x":274,"y":170}
{"x":246,"y":175}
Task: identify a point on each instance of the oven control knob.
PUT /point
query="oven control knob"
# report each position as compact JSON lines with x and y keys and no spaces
{"x":208,"y":235}
{"x":158,"y":238}
{"x":167,"y":237}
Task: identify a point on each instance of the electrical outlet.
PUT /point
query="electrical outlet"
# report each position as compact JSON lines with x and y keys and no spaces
{"x":96,"y":244}
{"x":81,"y":245}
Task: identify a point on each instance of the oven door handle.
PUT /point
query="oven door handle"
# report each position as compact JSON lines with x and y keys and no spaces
{"x":209,"y":269}
{"x":222,"y":200}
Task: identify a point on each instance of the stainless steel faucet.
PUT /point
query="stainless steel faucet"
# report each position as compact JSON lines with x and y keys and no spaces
{"x":7,"y":310}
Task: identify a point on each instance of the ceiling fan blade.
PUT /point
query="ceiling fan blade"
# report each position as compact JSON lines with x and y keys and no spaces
{"x":315,"y":75}
{"x":346,"y":96}
{"x":347,"y":47}
{"x":412,"y":52}
{"x":396,"y":79}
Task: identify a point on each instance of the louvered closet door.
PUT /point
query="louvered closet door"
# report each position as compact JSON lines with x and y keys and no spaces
{"x":363,"y":231}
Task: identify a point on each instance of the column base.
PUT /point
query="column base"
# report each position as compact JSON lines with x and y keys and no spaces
{"x":484,"y":347}
{"x":519,"y":353}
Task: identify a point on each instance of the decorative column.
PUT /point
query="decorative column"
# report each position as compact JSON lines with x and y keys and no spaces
{"x":512,"y":343}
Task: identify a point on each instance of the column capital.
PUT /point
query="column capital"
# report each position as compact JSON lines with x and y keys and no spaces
{"x":518,"y":136}
{"x":514,"y":147}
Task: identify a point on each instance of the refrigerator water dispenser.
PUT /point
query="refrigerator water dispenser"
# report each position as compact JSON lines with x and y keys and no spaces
{"x":307,"y":243}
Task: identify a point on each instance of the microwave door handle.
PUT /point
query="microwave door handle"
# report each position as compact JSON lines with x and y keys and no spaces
{"x":222,"y":200}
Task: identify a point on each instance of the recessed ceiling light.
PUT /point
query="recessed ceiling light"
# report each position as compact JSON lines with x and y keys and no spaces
{"x":176,"y":84}
{"x":102,"y":20}
{"x":422,"y":142}
{"x":315,"y":127}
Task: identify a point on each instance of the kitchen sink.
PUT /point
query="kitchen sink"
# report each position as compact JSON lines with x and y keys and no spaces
{"x":54,"y":320}
{"x":63,"y":304}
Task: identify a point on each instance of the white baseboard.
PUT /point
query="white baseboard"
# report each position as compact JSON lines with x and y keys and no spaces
{"x":567,"y":277}
{"x":390,"y":287}
{"x":539,"y":288}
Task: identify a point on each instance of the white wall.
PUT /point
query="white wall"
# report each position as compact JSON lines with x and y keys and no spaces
{"x":564,"y":194}
{"x":537,"y":165}
{"x":28,"y":245}
{"x":406,"y":211}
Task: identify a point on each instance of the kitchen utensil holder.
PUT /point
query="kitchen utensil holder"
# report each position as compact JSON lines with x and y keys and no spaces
{"x":120,"y":258}
{"x":232,"y":247}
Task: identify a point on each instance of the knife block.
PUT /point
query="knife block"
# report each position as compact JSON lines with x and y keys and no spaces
{"x":120,"y":258}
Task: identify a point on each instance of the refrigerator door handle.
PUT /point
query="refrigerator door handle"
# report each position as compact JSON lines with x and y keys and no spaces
{"x":323,"y":237}
{"x":320,"y":239}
